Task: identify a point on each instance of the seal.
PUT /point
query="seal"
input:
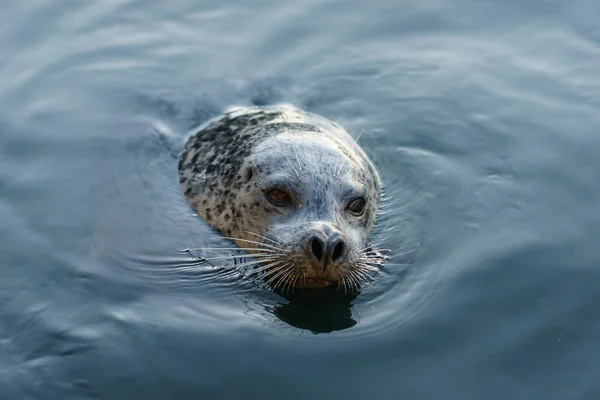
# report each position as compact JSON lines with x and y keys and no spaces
{"x":292,"y":189}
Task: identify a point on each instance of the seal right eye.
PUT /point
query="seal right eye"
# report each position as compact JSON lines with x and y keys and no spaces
{"x":279,"y":198}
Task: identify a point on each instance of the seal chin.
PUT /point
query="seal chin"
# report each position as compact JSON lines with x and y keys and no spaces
{"x":315,"y":283}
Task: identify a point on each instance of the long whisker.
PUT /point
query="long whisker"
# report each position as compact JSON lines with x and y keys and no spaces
{"x":337,"y":163}
{"x":297,"y":173}
{"x":258,"y":256}
{"x":269,"y":271}
{"x":344,"y":162}
{"x":375,"y":260}
{"x":249,"y":263}
{"x":372,"y":256}
{"x":227,"y":249}
{"x":258,"y":243}
{"x":282,"y":271}
{"x":297,"y":158}
{"x":344,"y":283}
{"x":264,"y":237}
{"x":295,"y":279}
{"x":406,"y":252}
{"x":354,"y":279}
{"x":362,"y":274}
{"x":352,"y":149}
{"x":351,"y":282}
{"x":284,"y":278}
{"x":292,"y":282}
{"x":267,"y":267}
{"x":375,"y":251}
{"x":371,"y":246}
{"x":369,"y":267}
{"x":196,"y":267}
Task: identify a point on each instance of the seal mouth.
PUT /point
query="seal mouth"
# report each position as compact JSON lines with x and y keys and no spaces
{"x":315,"y":283}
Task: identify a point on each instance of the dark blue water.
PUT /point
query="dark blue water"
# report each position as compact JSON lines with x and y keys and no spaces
{"x":482,"y":117}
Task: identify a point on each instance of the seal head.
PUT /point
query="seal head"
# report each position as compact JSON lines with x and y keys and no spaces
{"x":291,"y":188}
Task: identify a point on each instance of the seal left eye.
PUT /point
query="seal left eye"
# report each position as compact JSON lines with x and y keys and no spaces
{"x":357,"y":206}
{"x":279,"y":198}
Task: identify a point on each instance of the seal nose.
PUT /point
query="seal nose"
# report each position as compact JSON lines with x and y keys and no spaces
{"x":316,"y":247}
{"x":335,"y":248}
{"x":332,"y":249}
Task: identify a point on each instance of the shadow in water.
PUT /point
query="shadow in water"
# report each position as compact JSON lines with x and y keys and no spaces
{"x":318,"y":311}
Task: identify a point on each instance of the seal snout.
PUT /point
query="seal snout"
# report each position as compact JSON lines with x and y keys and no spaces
{"x":327,"y":249}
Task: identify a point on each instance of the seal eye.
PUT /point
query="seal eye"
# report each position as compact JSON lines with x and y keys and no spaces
{"x":279,"y":198}
{"x":357,"y":206}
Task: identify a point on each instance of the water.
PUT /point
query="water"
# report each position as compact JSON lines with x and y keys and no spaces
{"x":482,"y":118}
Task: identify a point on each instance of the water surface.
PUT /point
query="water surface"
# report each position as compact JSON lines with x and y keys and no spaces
{"x":482,"y":117}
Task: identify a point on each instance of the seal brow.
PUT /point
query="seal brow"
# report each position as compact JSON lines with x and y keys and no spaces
{"x":297,"y":173}
{"x":351,"y":149}
{"x":297,"y":158}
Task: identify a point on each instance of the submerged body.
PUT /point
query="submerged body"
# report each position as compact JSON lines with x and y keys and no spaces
{"x":291,"y":188}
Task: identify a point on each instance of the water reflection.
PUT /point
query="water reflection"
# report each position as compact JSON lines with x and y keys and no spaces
{"x":318,"y":311}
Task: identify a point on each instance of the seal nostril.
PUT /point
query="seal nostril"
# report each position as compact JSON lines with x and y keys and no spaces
{"x":337,"y":251}
{"x":317,"y":248}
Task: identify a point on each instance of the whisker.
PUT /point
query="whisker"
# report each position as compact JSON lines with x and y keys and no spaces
{"x":266,"y":267}
{"x":264,"y":237}
{"x":295,"y":280}
{"x":251,"y":263}
{"x":335,"y":166}
{"x":259,"y":243}
{"x":406,"y":252}
{"x":269,"y":270}
{"x":284,"y":278}
{"x":297,"y":158}
{"x":375,"y":251}
{"x":226,"y":248}
{"x":344,"y":162}
{"x":258,"y":256}
{"x":282,"y":271}
{"x":355,"y":280}
{"x":350,"y":282}
{"x":344,"y":283}
{"x":352,"y":149}
{"x":369,"y":267}
{"x":340,"y":165}
{"x":286,"y":157}
{"x":371,"y":246}
{"x":361,"y":273}
{"x":375,"y":263}
{"x":398,"y":264}
{"x":348,"y":276}
{"x":346,"y":175}
{"x":372,"y":258}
